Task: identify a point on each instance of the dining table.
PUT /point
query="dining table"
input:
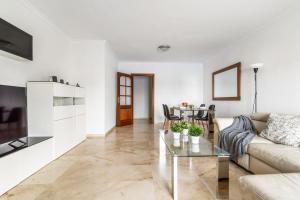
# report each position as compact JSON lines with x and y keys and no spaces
{"x":194,"y":111}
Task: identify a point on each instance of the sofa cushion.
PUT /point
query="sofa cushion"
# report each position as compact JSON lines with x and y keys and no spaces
{"x":259,"y":140}
{"x":275,"y":187}
{"x":283,"y":129}
{"x":259,"y":125}
{"x":263,"y":117}
{"x":281,"y":157}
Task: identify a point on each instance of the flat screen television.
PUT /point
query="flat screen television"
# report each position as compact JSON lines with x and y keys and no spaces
{"x":15,"y":41}
{"x":13,"y":113}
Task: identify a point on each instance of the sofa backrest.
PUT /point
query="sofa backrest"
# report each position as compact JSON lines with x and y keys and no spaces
{"x":260,"y":120}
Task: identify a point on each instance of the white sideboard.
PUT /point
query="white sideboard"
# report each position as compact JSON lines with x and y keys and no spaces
{"x":56,"y":110}
{"x":19,"y":165}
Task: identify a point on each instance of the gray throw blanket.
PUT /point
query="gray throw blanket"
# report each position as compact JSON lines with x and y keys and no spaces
{"x":237,"y":136}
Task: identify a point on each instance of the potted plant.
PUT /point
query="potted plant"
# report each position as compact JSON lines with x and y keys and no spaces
{"x":195,"y":131}
{"x":185,"y":127}
{"x":176,"y":129}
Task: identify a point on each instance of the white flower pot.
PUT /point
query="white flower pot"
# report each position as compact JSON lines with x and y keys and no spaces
{"x":185,"y":131}
{"x":176,"y":143}
{"x":195,"y":148}
{"x":176,"y":136}
{"x":185,"y":138}
{"x":195,"y":139}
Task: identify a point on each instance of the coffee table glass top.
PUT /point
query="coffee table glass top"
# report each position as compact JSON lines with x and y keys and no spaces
{"x":183,"y":147}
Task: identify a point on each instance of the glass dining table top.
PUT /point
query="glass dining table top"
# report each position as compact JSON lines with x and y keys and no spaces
{"x":190,"y":108}
{"x":184,"y":148}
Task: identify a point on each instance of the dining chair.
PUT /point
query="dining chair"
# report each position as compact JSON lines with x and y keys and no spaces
{"x":205,"y":118}
{"x":198,"y":115}
{"x":168,"y":116}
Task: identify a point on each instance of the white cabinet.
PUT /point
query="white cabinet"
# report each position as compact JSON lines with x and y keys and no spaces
{"x":57,"y":110}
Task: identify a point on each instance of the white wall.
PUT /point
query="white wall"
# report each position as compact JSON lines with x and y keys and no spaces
{"x":88,"y":62}
{"x":51,"y":47}
{"x":141,"y":104}
{"x":277,"y":46}
{"x":96,"y":66}
{"x":174,"y":82}
{"x":111,"y":66}
{"x":91,"y":63}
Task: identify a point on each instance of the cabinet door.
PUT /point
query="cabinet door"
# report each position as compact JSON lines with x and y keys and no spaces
{"x":64,"y":135}
{"x":80,"y":128}
{"x":80,"y":109}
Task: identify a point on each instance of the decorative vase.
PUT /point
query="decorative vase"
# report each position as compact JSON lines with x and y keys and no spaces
{"x":195,"y":139}
{"x":185,"y":138}
{"x":195,"y":148}
{"x":185,"y":131}
{"x":176,"y":143}
{"x":176,"y":136}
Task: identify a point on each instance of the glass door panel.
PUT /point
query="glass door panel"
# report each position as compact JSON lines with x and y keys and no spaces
{"x":122,"y":80}
{"x":122,"y":90}
{"x":128,"y":100}
{"x":128,"y":81}
{"x":122,"y":100}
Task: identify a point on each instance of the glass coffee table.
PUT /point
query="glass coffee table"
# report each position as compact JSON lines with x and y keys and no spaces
{"x":184,"y":148}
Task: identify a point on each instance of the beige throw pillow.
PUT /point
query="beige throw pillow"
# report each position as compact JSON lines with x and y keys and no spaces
{"x":283,"y":129}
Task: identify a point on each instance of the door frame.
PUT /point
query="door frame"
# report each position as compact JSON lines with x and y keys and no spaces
{"x":152,"y":92}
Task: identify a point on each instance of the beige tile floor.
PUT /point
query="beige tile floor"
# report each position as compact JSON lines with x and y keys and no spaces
{"x":127,"y":164}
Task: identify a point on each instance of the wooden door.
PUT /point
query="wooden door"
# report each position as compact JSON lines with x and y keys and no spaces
{"x":124,"y":99}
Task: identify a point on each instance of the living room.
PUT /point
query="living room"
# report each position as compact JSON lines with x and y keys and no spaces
{"x":68,"y":85}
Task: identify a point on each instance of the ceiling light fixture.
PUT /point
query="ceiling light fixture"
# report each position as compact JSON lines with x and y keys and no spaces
{"x":163,"y":48}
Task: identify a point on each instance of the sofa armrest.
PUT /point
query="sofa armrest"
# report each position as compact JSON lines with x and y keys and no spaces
{"x":220,"y":124}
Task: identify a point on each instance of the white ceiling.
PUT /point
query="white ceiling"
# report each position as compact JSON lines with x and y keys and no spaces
{"x":136,"y":27}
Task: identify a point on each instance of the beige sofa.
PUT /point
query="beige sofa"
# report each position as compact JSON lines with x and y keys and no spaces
{"x":263,"y":156}
{"x":279,"y":164}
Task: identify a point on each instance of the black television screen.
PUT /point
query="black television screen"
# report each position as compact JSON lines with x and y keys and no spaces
{"x":15,"y":41}
{"x":13,"y":113}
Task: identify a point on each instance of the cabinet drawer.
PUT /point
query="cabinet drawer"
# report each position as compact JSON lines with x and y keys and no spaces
{"x":63,"y":112}
{"x":61,"y":90}
{"x":80,"y":128}
{"x":80,"y":109}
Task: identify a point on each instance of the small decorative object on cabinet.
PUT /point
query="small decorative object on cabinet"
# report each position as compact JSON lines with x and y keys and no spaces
{"x":53,"y":78}
{"x":56,"y":110}
{"x":77,"y":85}
{"x":62,"y":81}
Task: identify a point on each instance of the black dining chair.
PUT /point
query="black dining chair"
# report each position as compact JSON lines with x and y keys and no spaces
{"x":198,"y":115}
{"x":205,"y":118}
{"x":168,"y":116}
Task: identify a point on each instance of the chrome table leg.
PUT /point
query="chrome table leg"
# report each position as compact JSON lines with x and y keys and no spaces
{"x":174,"y":177}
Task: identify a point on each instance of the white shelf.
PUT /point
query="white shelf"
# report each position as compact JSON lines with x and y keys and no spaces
{"x":57,"y":110}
